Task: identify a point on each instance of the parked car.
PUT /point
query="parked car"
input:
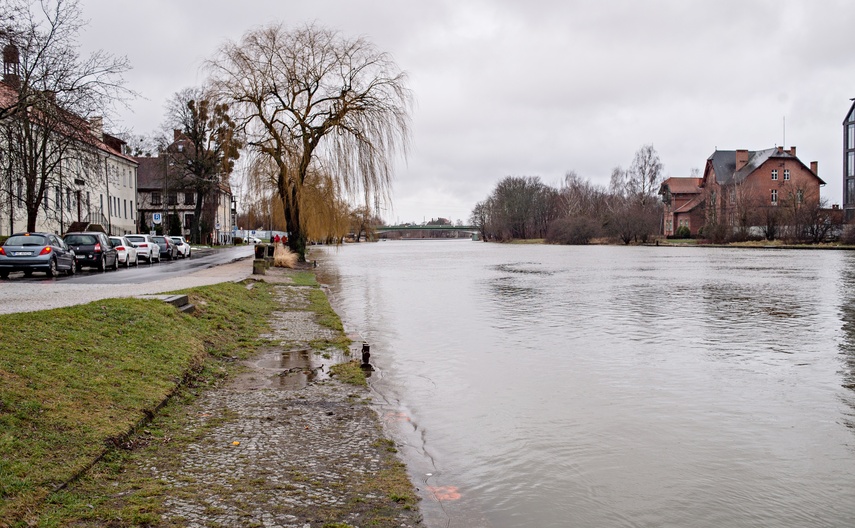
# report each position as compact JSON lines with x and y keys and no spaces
{"x":93,"y":249}
{"x":29,"y":252}
{"x":147,"y":248}
{"x":182,"y":245}
{"x":167,"y":247}
{"x":127,"y":252}
{"x":253,"y":240}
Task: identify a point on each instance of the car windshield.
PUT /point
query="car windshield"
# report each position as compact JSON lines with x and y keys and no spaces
{"x":26,"y":240}
{"x":79,"y":240}
{"x":117,"y":241}
{"x":159,"y":239}
{"x":136,"y":239}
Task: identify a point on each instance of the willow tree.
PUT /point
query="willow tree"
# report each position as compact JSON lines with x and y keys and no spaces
{"x":312,"y":100}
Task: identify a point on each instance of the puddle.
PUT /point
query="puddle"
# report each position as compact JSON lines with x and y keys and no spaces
{"x":289,"y":370}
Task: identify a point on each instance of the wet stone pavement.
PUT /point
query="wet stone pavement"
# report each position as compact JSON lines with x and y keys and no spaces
{"x":283,"y":444}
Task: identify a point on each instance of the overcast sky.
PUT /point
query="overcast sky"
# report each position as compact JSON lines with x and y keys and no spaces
{"x":541,"y":87}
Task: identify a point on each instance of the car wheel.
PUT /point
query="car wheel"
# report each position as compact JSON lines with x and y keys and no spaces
{"x":28,"y":273}
{"x":72,"y":269}
{"x":4,"y":274}
{"x":137,"y":261}
{"x":51,"y":271}
{"x":116,"y":263}
{"x":102,"y":263}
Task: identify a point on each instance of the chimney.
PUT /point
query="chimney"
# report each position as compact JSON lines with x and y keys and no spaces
{"x":96,"y":126}
{"x":780,"y":150}
{"x":176,"y":134}
{"x":741,"y":158}
{"x":793,"y":151}
{"x":814,"y":167}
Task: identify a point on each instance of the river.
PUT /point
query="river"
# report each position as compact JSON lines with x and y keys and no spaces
{"x":608,"y":386}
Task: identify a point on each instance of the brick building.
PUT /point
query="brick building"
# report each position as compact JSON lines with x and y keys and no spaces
{"x":683,"y":199}
{"x":741,"y":190}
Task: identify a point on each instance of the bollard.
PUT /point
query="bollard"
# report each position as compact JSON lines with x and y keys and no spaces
{"x":259,"y":267}
{"x":366,"y":355}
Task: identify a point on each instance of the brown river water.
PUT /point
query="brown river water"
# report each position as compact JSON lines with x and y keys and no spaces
{"x":606,"y":386}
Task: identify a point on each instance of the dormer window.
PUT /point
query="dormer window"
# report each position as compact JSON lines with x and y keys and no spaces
{"x":180,"y":147}
{"x":774,"y":174}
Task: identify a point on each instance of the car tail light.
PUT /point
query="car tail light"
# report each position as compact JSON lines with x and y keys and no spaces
{"x":142,"y":245}
{"x":2,"y":251}
{"x":46,"y":250}
{"x":120,"y":248}
{"x":97,"y":248}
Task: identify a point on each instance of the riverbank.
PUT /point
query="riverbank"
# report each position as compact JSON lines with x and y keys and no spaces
{"x":232,"y":416}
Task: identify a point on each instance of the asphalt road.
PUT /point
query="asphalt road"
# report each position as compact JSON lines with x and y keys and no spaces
{"x":27,"y":294}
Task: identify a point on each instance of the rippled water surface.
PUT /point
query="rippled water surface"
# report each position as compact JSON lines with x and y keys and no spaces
{"x":611,"y":386}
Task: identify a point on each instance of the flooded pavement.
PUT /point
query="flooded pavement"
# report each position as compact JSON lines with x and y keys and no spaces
{"x":611,"y":386}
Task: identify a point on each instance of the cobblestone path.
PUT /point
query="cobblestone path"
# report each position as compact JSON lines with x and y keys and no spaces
{"x":284,"y":445}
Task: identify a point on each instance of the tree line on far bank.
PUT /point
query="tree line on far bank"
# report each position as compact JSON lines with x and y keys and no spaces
{"x":523,"y":207}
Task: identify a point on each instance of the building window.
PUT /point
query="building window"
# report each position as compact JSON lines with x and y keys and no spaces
{"x":850,"y":164}
{"x":800,"y":196}
{"x":173,"y":198}
{"x":125,"y":203}
{"x":156,"y":198}
{"x":68,"y":199}
{"x":88,"y":204}
{"x":850,"y":142}
{"x":57,"y":200}
{"x":774,"y":196}
{"x":786,"y":174}
{"x":188,"y":221}
{"x":850,"y":191}
{"x":189,"y":198}
{"x":132,"y":209}
{"x":774,"y":174}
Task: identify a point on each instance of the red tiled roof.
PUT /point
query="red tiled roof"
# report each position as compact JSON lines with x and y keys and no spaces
{"x":683,"y":185}
{"x":691,"y":204}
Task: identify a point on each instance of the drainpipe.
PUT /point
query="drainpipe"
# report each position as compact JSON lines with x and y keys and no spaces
{"x":109,"y":203}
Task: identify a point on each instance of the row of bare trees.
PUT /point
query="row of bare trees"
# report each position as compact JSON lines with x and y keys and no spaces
{"x":578,"y":211}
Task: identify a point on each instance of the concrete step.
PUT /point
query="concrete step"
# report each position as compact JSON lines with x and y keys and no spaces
{"x":181,"y":302}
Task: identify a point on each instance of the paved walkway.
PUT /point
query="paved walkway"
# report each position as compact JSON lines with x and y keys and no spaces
{"x":283,"y":445}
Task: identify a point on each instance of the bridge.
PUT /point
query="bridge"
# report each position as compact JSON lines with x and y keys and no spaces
{"x":429,"y":231}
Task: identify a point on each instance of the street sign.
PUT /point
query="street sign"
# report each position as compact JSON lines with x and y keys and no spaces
{"x":217,"y":226}
{"x":156,"y":218}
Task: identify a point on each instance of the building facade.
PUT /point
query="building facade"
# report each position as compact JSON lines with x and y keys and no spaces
{"x":167,"y":193}
{"x":849,"y":164}
{"x":85,"y":178}
{"x":742,"y":191}
{"x":683,"y":205}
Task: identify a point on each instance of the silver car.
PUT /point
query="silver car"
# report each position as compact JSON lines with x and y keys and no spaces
{"x":147,"y":248}
{"x":30,"y":252}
